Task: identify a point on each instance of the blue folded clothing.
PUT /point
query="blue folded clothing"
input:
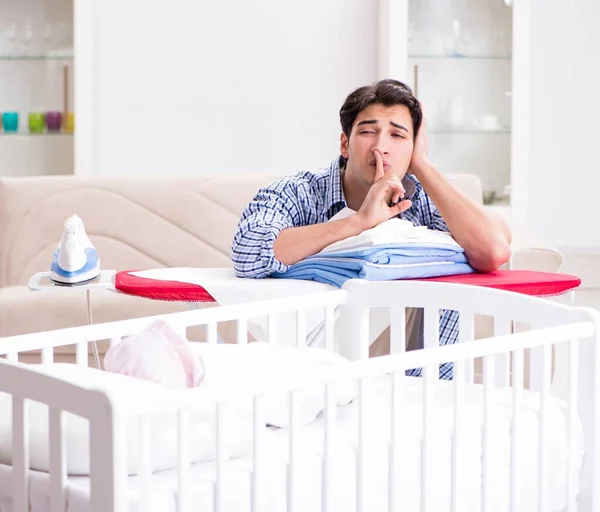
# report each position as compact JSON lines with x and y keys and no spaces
{"x":380,"y":263}
{"x":400,"y":254}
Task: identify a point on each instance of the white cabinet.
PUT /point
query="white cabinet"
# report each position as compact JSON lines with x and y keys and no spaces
{"x":457,"y":56}
{"x":36,"y":87}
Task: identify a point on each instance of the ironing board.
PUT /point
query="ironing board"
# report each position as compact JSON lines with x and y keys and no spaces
{"x":528,"y":282}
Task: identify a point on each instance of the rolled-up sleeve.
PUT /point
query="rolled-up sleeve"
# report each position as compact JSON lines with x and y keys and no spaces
{"x":271,"y":211}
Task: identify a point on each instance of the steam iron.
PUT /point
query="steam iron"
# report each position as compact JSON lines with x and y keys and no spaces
{"x":75,"y":259}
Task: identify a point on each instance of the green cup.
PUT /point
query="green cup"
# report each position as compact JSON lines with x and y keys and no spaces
{"x":36,"y":122}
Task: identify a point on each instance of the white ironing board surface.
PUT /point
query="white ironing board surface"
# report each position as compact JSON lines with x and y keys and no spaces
{"x":42,"y":282}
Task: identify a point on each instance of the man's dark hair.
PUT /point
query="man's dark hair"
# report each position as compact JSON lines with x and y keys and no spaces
{"x":386,"y":92}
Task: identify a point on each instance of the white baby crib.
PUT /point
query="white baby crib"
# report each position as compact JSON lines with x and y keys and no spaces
{"x":402,"y":443}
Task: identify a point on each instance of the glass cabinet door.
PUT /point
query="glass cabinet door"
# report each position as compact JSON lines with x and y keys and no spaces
{"x":460,"y":67}
{"x":37,"y":121}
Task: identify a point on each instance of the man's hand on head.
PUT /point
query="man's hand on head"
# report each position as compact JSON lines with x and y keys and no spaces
{"x":419,"y":156}
{"x":383,"y":200}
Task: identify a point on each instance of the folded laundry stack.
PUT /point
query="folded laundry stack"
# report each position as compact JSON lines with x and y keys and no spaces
{"x":395,"y":249}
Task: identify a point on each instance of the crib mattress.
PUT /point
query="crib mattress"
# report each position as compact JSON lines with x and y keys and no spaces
{"x":343,"y":485}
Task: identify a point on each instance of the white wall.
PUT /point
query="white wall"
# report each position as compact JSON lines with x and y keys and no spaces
{"x":564,"y":175}
{"x":191,"y":86}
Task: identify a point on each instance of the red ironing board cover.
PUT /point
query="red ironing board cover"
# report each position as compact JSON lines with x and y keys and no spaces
{"x":155,"y":289}
{"x":528,"y":282}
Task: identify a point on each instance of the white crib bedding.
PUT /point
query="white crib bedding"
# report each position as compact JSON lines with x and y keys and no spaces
{"x":343,"y":486}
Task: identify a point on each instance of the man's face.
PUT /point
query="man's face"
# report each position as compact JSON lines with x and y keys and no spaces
{"x":386,"y":129}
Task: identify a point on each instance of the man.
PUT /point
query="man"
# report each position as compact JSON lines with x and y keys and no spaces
{"x":383,"y":171}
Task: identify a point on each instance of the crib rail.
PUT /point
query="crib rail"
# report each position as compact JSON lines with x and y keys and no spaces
{"x":12,"y":346}
{"x":531,"y":412}
{"x":364,"y":373}
{"x":107,"y":461}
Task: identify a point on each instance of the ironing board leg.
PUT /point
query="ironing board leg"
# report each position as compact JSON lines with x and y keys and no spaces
{"x":559,"y":354}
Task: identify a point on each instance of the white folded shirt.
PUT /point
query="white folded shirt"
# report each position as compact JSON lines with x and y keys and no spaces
{"x":392,"y":231}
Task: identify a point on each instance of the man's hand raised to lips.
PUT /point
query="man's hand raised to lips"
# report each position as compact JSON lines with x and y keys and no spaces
{"x":386,"y":190}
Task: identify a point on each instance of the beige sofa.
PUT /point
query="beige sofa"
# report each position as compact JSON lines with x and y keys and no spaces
{"x":136,"y":224}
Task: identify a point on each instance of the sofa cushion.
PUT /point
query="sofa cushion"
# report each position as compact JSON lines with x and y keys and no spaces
{"x":134,"y":223}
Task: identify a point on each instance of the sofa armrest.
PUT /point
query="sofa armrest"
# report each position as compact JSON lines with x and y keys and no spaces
{"x":531,"y":252}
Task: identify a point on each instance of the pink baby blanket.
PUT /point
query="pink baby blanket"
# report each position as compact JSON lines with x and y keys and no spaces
{"x":158,"y":354}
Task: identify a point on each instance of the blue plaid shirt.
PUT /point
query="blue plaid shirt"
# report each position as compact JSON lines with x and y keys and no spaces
{"x":313,"y":197}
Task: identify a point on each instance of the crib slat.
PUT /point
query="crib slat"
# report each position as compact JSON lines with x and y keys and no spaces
{"x":58,"y":461}
{"x":431,"y":335}
{"x":467,"y":333}
{"x":294,"y":450}
{"x":211,"y":332}
{"x":572,"y":419}
{"x":145,"y":458}
{"x":183,"y":460}
{"x":81,"y":353}
{"x":543,"y":427}
{"x":536,"y":356}
{"x":257,"y":457}
{"x":394,"y":456}
{"x":488,"y":394}
{"x":502,"y":326}
{"x":431,"y":331}
{"x":459,"y":384}
{"x":242,"y":331}
{"x":397,"y":329}
{"x":518,"y":367}
{"x":301,"y":328}
{"x":222,"y":459}
{"x":20,"y":450}
{"x":362,"y":463}
{"x":13,"y":356}
{"x":329,"y":329}
{"x":47,"y":355}
{"x":272,"y":329}
{"x":430,"y":377}
{"x":328,"y":469}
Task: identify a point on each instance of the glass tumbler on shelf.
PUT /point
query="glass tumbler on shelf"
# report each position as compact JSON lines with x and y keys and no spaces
{"x":69,"y":122}
{"x":36,"y":122}
{"x":26,"y":37}
{"x":10,"y":122}
{"x":461,"y":39}
{"x":11,"y":40}
{"x":47,"y":37}
{"x":53,"y":121}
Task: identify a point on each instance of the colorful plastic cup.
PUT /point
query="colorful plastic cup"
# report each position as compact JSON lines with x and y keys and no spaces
{"x":69,"y":122}
{"x":10,"y":121}
{"x":53,"y":121}
{"x":36,"y":122}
